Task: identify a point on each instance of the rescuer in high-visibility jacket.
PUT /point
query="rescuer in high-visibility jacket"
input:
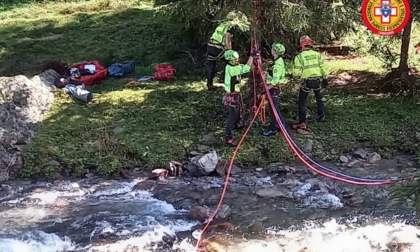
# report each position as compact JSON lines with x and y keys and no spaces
{"x":275,"y":80}
{"x":220,"y":41}
{"x":310,"y":67}
{"x":232,"y":99}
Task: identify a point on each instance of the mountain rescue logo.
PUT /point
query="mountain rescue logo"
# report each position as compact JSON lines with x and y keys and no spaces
{"x":385,"y":17}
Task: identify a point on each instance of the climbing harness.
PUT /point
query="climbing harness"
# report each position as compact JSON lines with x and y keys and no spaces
{"x":297,"y":151}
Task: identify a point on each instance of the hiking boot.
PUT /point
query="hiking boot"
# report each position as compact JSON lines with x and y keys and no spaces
{"x":301,"y":125}
{"x":212,"y":88}
{"x":231,"y":143}
{"x":321,"y":118}
{"x":270,"y":132}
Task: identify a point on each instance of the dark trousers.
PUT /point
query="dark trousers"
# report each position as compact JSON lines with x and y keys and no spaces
{"x":213,"y":55}
{"x":315,"y":85}
{"x":234,"y":116}
{"x":274,"y":93}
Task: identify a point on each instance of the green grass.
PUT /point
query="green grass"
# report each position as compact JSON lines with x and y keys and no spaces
{"x":367,"y":64}
{"x":107,"y":30}
{"x":164,"y":121}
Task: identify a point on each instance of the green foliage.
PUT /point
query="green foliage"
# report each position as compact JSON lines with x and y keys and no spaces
{"x":407,"y":191}
{"x":283,"y":21}
{"x":164,"y":121}
{"x":386,"y":49}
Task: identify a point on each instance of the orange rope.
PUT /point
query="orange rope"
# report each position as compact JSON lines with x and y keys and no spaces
{"x":235,"y":153}
{"x":263,"y":115}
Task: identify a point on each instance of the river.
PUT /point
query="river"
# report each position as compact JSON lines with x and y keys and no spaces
{"x":288,"y":211}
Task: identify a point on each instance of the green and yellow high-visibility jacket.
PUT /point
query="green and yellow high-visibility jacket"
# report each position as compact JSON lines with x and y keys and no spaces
{"x":277,"y":73}
{"x":219,"y":35}
{"x":233,"y":76}
{"x":309,"y":64}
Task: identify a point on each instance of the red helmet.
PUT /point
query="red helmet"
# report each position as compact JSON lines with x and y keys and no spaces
{"x":305,"y":41}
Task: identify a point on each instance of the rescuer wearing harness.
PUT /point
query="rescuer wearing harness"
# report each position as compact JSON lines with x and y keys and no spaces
{"x":232,"y":99}
{"x":309,"y":66}
{"x":220,"y":40}
{"x":275,"y":80}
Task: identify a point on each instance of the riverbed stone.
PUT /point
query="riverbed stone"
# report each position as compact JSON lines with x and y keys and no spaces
{"x":144,"y":185}
{"x":208,"y":163}
{"x":208,"y":138}
{"x":344,"y":159}
{"x":270,"y":192}
{"x":373,"y":157}
{"x":199,"y":213}
{"x":224,"y":212}
{"x":360,"y":153}
{"x":23,"y":104}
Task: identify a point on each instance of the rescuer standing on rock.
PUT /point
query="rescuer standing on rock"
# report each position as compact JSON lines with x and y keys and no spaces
{"x":220,"y":41}
{"x":275,"y":80}
{"x":232,"y":99}
{"x":309,"y":66}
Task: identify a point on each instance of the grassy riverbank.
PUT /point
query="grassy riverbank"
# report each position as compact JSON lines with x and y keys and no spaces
{"x":149,"y":125}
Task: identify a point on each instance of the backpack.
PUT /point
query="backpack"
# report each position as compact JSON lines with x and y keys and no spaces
{"x":121,"y":69}
{"x":164,"y":72}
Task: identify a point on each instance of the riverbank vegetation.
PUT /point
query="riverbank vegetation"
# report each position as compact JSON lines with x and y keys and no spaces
{"x":148,"y":125}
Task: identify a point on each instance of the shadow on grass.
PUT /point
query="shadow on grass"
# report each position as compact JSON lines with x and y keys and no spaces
{"x":109,"y":36}
{"x":153,"y":124}
{"x":357,"y":82}
{"x":124,"y":128}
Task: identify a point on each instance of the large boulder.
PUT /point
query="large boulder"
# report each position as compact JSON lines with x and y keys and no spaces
{"x":23,"y":104}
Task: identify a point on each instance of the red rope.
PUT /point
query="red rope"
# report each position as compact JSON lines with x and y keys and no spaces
{"x":235,"y":153}
{"x":288,"y":139}
{"x":296,"y":151}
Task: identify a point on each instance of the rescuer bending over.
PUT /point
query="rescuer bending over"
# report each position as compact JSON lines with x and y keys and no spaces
{"x":220,"y":40}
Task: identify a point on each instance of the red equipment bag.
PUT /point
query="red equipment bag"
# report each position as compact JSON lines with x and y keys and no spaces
{"x":164,"y":72}
{"x":100,"y":73}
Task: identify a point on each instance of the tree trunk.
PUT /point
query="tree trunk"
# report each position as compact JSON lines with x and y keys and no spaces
{"x":251,"y":100}
{"x":405,"y":45}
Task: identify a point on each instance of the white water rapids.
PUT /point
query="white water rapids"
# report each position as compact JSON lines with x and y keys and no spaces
{"x":112,"y":217}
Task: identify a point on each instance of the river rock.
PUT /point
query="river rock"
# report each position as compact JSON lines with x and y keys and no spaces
{"x":208,"y":163}
{"x":160,"y":173}
{"x":208,"y":138}
{"x":174,"y":168}
{"x":224,"y":212}
{"x":360,"y":153}
{"x":23,"y":104}
{"x":222,"y":167}
{"x":199,"y":213}
{"x":373,"y":157}
{"x":144,"y":185}
{"x":353,"y":163}
{"x":194,"y":153}
{"x":256,"y":226}
{"x":307,"y":147}
{"x":344,"y":159}
{"x":202,"y":147}
{"x":271,"y":192}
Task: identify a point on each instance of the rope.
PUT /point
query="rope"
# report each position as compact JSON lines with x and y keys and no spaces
{"x":314,"y":166}
{"x":263,"y":115}
{"x":327,"y":172}
{"x":235,"y":153}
